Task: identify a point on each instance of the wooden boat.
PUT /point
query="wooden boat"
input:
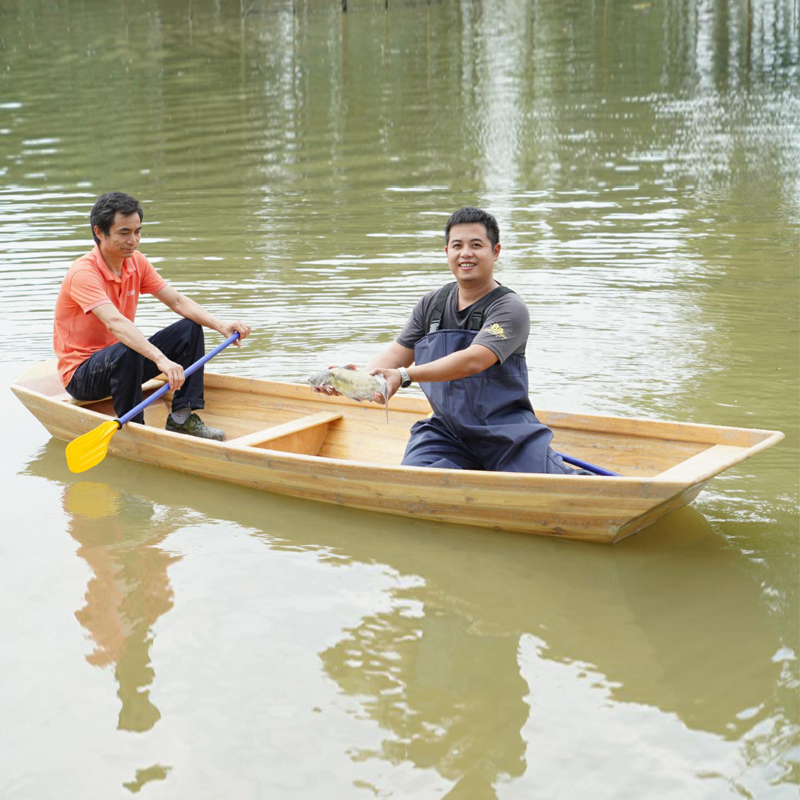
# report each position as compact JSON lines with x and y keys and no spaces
{"x":285,"y":438}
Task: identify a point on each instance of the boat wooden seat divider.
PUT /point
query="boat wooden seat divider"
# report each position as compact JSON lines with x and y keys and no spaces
{"x":704,"y":463}
{"x":304,"y":435}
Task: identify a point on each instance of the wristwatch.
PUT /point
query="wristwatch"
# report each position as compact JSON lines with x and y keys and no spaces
{"x":405,"y":378}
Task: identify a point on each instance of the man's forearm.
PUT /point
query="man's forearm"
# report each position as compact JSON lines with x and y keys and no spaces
{"x":127,"y":333}
{"x":392,"y":357}
{"x":470,"y":361}
{"x":461,"y":364}
{"x":190,"y":309}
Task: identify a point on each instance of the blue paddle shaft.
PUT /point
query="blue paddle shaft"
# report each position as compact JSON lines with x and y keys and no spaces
{"x":188,"y":371}
{"x":576,"y":462}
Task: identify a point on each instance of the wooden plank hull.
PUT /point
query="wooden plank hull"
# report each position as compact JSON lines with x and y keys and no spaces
{"x":280,"y":440}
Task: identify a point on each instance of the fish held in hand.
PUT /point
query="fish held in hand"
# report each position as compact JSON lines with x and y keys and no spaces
{"x":353,"y":383}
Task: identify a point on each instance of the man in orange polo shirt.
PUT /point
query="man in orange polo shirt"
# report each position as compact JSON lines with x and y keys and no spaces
{"x":100,"y":350}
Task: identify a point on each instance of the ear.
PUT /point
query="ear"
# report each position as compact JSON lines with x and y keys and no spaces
{"x":97,"y":232}
{"x":496,"y":251}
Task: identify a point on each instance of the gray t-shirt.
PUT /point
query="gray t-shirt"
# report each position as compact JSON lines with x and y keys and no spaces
{"x":506,"y":323}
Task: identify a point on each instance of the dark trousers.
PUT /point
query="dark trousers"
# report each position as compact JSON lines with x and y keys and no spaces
{"x":503,"y":448}
{"x":118,"y":371}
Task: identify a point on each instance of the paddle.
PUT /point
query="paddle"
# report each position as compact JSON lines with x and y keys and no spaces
{"x":576,"y":462}
{"x":89,"y":450}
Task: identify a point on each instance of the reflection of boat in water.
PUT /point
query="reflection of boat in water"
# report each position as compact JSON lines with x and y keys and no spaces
{"x":673,"y":621}
{"x":284,"y":439}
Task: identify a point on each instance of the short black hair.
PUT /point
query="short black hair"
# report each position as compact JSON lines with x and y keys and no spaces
{"x":467,"y":215}
{"x":106,"y":207}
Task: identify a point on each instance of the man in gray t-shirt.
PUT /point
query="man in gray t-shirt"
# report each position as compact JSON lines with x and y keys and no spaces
{"x":465,"y":345}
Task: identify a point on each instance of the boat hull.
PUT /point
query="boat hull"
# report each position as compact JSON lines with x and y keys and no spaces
{"x":598,"y":509}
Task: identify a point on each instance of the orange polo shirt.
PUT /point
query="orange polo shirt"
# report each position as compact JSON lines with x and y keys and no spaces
{"x":89,"y":283}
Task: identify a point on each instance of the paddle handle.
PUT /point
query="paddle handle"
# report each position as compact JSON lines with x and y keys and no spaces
{"x":188,"y":371}
{"x":576,"y":462}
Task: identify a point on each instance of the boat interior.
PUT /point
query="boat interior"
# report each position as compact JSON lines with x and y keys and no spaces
{"x":292,"y":418}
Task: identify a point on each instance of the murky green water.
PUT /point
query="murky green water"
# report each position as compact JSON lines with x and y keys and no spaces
{"x":165,"y":634}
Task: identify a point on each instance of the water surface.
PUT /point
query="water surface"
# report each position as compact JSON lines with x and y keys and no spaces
{"x":172,"y":636}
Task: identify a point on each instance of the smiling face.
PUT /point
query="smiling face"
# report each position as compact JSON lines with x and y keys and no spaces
{"x":121,"y":240}
{"x":470,"y":254}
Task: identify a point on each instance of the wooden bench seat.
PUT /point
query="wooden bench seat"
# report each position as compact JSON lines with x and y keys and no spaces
{"x":304,"y":435}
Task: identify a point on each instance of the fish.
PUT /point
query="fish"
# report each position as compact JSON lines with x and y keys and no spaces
{"x":353,"y":383}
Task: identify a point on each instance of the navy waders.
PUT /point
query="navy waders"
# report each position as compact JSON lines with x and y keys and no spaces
{"x":482,"y":422}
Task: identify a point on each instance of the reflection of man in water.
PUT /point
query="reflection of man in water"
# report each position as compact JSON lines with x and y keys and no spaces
{"x":128,"y":592}
{"x":452,"y":698}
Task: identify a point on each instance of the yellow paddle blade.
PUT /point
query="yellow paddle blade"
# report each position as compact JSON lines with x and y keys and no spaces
{"x":89,"y":450}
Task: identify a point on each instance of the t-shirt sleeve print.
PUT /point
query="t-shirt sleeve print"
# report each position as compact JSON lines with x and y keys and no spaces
{"x":496,"y":329}
{"x":505,"y":328}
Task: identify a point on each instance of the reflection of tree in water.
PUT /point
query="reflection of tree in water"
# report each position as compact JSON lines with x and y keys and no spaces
{"x":452,"y":698}
{"x":128,"y":592}
{"x":663,"y":617}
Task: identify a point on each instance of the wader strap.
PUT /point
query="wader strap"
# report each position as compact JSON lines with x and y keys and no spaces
{"x":475,"y":321}
{"x":438,"y":308}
